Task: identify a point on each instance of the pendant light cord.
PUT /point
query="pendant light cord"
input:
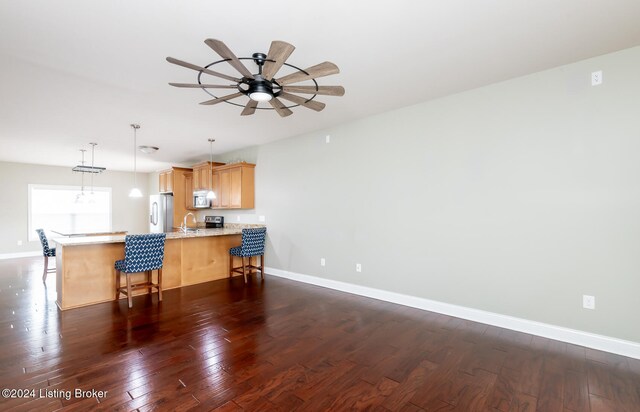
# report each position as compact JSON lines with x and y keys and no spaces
{"x":211,"y":163}
{"x":82,"y":178}
{"x":135,"y":157}
{"x":93,"y":150}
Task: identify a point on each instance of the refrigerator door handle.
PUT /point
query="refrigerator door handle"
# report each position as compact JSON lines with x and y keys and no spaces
{"x":154,"y":213}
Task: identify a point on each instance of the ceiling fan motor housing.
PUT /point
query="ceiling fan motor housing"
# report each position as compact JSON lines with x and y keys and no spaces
{"x":260,"y":89}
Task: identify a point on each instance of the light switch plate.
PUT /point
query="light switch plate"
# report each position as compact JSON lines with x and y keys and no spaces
{"x":261,"y":218}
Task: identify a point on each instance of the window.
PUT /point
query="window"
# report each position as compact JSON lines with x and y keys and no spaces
{"x":53,"y":207}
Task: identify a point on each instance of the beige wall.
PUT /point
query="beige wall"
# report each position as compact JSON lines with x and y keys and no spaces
{"x":516,"y":198}
{"x":128,"y":214}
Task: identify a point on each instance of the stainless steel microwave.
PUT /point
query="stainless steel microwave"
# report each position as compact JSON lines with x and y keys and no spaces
{"x":200,"y":200}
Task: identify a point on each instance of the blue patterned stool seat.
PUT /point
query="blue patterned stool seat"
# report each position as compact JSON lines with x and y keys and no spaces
{"x":253,"y":240}
{"x":47,"y":252}
{"x":120,"y":265}
{"x":142,"y":254}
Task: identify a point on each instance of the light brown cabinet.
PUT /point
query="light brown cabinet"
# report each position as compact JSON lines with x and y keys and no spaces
{"x":201,"y":175}
{"x":235,"y":184}
{"x":174,"y":181}
{"x":188,"y":191}
{"x":166,"y":181}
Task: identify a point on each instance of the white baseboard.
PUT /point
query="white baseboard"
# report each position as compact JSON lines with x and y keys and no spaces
{"x":577,"y":337}
{"x":20,"y":254}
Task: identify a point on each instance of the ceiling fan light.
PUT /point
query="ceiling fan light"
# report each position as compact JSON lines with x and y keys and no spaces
{"x":135,"y":192}
{"x":260,"y":96}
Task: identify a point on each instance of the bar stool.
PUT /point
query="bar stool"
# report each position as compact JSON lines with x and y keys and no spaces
{"x":252,"y":245}
{"x":142,"y":254}
{"x":47,"y":252}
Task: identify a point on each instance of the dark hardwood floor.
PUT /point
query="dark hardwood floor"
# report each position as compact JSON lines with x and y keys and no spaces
{"x":281,"y":345}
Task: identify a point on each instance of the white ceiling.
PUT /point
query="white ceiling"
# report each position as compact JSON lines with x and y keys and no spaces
{"x":77,"y":71}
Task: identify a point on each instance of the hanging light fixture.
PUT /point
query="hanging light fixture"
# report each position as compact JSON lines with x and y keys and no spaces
{"x":93,"y":154}
{"x":210,"y":194}
{"x":135,"y":192}
{"x":80,"y":198}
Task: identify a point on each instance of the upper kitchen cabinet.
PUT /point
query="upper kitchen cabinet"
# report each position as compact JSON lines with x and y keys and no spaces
{"x":235,"y":184}
{"x":166,"y":181}
{"x":202,"y":175}
{"x":174,"y":181}
{"x":188,"y":191}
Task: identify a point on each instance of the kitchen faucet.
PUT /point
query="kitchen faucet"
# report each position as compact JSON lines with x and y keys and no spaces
{"x":184,"y":227}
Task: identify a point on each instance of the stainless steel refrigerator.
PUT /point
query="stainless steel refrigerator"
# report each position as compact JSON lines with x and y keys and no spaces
{"x":160,"y":213}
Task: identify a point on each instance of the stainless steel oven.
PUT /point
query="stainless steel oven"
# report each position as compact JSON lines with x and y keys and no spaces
{"x":200,"y":200}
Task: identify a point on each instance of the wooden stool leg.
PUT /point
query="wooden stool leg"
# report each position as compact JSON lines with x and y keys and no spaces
{"x":244,"y":270}
{"x":117,"y":284}
{"x":129,"y":290}
{"x":46,"y":267}
{"x":230,"y":265}
{"x":160,"y":284}
{"x":262,"y":266}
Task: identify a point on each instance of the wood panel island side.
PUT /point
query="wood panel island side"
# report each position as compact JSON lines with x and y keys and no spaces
{"x":85,"y":272}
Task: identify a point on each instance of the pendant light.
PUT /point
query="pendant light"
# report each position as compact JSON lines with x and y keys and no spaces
{"x":210,"y":194}
{"x":135,"y":192}
{"x":80,"y":196}
{"x":93,"y":154}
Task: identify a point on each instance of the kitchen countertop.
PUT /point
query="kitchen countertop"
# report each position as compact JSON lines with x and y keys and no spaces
{"x":231,"y":229}
{"x":111,"y":233}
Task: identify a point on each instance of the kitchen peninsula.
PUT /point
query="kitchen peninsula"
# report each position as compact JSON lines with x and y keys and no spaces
{"x":85,"y":272}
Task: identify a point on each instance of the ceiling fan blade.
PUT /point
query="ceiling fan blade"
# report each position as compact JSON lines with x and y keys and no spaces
{"x":280,"y":108}
{"x":311,"y":104}
{"x":250,"y":108}
{"x":226,"y":53}
{"x":319,"y":70}
{"x":203,"y":86}
{"x":222,"y":99}
{"x":323,"y":90}
{"x":279,"y":52}
{"x":201,"y":69}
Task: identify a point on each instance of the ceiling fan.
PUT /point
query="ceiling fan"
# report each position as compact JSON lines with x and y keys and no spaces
{"x":264,"y":86}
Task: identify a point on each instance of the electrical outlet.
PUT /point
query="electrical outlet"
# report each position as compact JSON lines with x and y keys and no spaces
{"x":322,"y":262}
{"x":596,"y":78}
{"x":19,"y":242}
{"x":261,"y":218}
{"x":328,"y":138}
{"x":588,"y":302}
{"x":237,"y":218}
{"x":358,"y":267}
